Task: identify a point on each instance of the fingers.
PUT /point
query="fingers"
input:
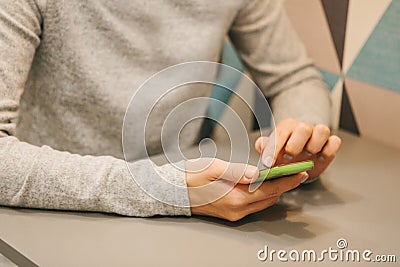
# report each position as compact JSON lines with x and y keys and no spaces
{"x":292,"y":138}
{"x":299,"y":139}
{"x":261,"y":143}
{"x":277,"y":141}
{"x":261,"y":205}
{"x":240,"y":202}
{"x":272,"y":188}
{"x":331,"y":147}
{"x":267,"y":156}
{"x":318,"y":139}
{"x":237,"y":214}
{"x":326,"y":156}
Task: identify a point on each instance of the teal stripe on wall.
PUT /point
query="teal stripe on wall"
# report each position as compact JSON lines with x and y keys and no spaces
{"x":229,"y":79}
{"x":379,"y":60}
{"x":330,"y":78}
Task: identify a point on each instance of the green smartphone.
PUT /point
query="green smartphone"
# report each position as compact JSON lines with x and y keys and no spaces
{"x":284,"y":170}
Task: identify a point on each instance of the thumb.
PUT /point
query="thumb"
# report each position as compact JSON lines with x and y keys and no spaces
{"x":235,"y":172}
{"x":261,"y":143}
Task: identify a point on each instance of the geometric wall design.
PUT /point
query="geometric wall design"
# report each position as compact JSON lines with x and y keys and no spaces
{"x":356,"y":46}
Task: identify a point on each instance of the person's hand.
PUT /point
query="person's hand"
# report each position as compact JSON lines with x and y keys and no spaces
{"x":221,"y":189}
{"x":297,"y":141}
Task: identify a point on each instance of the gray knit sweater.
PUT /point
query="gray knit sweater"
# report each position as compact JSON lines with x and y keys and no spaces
{"x":69,"y":68}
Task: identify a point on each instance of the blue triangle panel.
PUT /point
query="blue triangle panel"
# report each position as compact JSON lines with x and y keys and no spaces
{"x":330,"y":78}
{"x":379,"y":60}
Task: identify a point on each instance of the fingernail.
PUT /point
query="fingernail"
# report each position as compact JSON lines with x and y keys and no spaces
{"x":321,"y":158}
{"x":268,"y":162}
{"x":308,"y":154}
{"x":287,"y":157}
{"x":250,"y":172}
{"x":304,"y":178}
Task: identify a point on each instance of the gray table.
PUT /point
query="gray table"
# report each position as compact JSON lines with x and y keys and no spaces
{"x":357,"y":199}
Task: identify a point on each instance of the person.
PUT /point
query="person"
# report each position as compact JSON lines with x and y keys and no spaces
{"x":69,"y":68}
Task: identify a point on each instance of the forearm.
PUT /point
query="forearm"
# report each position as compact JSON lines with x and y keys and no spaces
{"x":276,"y":58}
{"x":308,"y":101}
{"x":40,"y":177}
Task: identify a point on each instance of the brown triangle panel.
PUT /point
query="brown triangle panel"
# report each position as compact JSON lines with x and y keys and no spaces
{"x":336,"y":14}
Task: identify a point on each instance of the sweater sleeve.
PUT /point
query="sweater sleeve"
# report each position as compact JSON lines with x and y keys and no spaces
{"x":41,"y":177}
{"x":275,"y":57}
